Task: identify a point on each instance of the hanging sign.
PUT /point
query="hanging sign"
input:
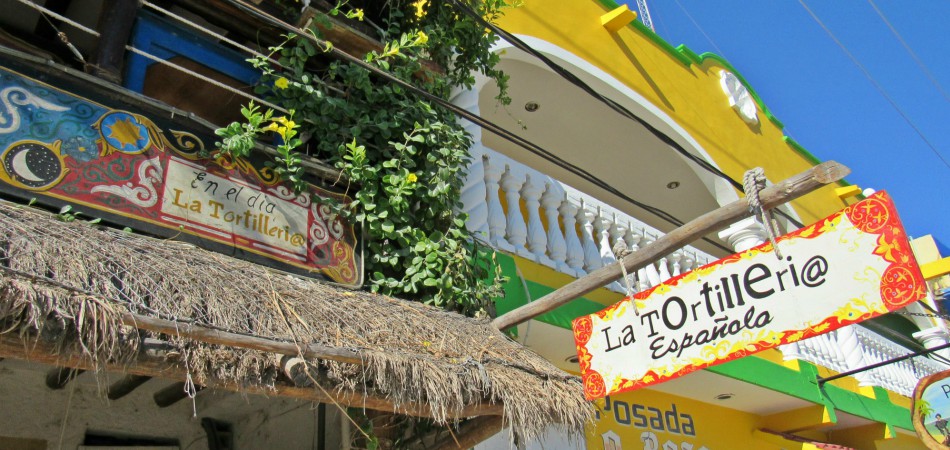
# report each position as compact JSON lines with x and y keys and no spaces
{"x":105,"y":158}
{"x":931,"y":410}
{"x":851,"y":266}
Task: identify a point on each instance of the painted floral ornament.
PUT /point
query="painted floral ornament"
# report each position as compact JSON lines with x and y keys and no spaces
{"x":739,"y":97}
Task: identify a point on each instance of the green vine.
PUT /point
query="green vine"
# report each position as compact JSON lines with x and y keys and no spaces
{"x":404,"y":158}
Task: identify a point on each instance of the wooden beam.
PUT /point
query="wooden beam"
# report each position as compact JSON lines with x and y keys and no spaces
{"x":212,"y":336}
{"x":156,"y":365}
{"x":807,"y":418}
{"x":115,"y":26}
{"x":936,"y":268}
{"x":59,"y":377}
{"x":171,"y":394}
{"x":772,"y":196}
{"x":470,"y":433}
{"x":125,"y":386}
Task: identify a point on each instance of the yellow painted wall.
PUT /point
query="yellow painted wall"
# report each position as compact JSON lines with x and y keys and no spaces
{"x":690,"y":94}
{"x":640,"y":418}
{"x":637,"y":417}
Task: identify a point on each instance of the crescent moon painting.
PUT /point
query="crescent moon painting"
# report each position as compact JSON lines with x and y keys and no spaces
{"x":33,"y":165}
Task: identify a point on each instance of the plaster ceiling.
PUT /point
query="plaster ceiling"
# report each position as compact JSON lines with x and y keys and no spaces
{"x":557,"y":345}
{"x":583,"y":131}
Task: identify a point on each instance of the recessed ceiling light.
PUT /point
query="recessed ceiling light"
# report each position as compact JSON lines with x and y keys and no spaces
{"x":673,"y":185}
{"x":572,"y":359}
{"x":724,"y":396}
{"x":532,"y":106}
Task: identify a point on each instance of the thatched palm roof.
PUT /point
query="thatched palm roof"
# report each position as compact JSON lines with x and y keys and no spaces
{"x":93,"y":291}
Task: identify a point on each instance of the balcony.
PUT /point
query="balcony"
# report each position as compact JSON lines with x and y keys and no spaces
{"x":855,"y":347}
{"x":523,"y":212}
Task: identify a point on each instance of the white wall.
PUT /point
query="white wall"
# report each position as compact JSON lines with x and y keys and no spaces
{"x":29,"y":409}
{"x":552,"y":439}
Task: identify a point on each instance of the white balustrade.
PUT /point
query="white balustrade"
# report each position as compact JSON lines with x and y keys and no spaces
{"x":537,"y":237}
{"x":496,"y":214}
{"x":578,"y":234}
{"x":592,"y":259}
{"x":575,"y":250}
{"x":522,"y":211}
{"x":516,"y":230}
{"x":557,"y":246}
{"x":855,"y":347}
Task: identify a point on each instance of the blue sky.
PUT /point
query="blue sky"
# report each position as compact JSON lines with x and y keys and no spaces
{"x":825,"y":100}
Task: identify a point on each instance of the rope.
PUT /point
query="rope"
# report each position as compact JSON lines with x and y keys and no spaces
{"x":145,"y":54}
{"x":753,"y":182}
{"x":61,"y":35}
{"x":620,"y":252}
{"x":206,"y":79}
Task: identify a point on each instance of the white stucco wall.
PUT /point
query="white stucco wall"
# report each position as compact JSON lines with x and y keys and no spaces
{"x":552,"y":439}
{"x":30,"y":410}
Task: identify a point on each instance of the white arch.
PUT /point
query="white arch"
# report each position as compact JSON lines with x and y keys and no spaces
{"x":720,"y":189}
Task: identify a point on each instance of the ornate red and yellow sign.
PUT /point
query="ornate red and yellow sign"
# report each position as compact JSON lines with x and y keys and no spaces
{"x":162,"y":176}
{"x":851,"y":266}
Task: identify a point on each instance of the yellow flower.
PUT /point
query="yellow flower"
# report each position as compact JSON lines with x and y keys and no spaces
{"x":272,"y":127}
{"x":282,"y":83}
{"x":412,"y":178}
{"x":355,"y":14}
{"x":421,"y":38}
{"x":420,"y":8}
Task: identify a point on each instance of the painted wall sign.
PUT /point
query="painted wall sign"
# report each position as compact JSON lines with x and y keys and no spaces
{"x":652,"y":420}
{"x":851,"y":266}
{"x":127,"y":168}
{"x":931,"y":410}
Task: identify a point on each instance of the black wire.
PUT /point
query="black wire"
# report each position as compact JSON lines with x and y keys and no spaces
{"x":573,"y":79}
{"x":478,"y":120}
{"x":900,"y":338}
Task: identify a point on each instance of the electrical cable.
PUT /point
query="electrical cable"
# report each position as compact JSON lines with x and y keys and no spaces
{"x":877,"y":86}
{"x":476,"y":119}
{"x":920,"y":63}
{"x":701,"y":30}
{"x":573,"y":79}
{"x":490,"y":126}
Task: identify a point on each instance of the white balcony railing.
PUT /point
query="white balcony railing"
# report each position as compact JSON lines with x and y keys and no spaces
{"x":854,"y":347}
{"x":521,"y":211}
{"x":525,"y":212}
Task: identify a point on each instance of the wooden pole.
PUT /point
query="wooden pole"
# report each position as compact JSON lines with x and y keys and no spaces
{"x":171,"y":394}
{"x":471,"y":433}
{"x":125,"y":386}
{"x":212,"y":336}
{"x":115,"y":26}
{"x":44,"y":351}
{"x":772,"y":196}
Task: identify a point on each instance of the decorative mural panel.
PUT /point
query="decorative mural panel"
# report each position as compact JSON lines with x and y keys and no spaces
{"x":851,"y":266}
{"x":163,"y":177}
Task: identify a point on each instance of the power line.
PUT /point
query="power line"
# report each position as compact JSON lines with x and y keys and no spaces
{"x":920,"y":63}
{"x":490,"y":126}
{"x":696,"y":24}
{"x":573,"y":79}
{"x":880,"y":89}
{"x":480,"y":121}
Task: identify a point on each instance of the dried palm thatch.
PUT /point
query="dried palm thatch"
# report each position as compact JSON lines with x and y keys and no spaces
{"x":93,"y":289}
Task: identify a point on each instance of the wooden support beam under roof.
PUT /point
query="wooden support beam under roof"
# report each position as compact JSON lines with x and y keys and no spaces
{"x":57,"y":378}
{"x":126,"y":385}
{"x":174,"y":393}
{"x":154,"y":364}
{"x":807,"y":418}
